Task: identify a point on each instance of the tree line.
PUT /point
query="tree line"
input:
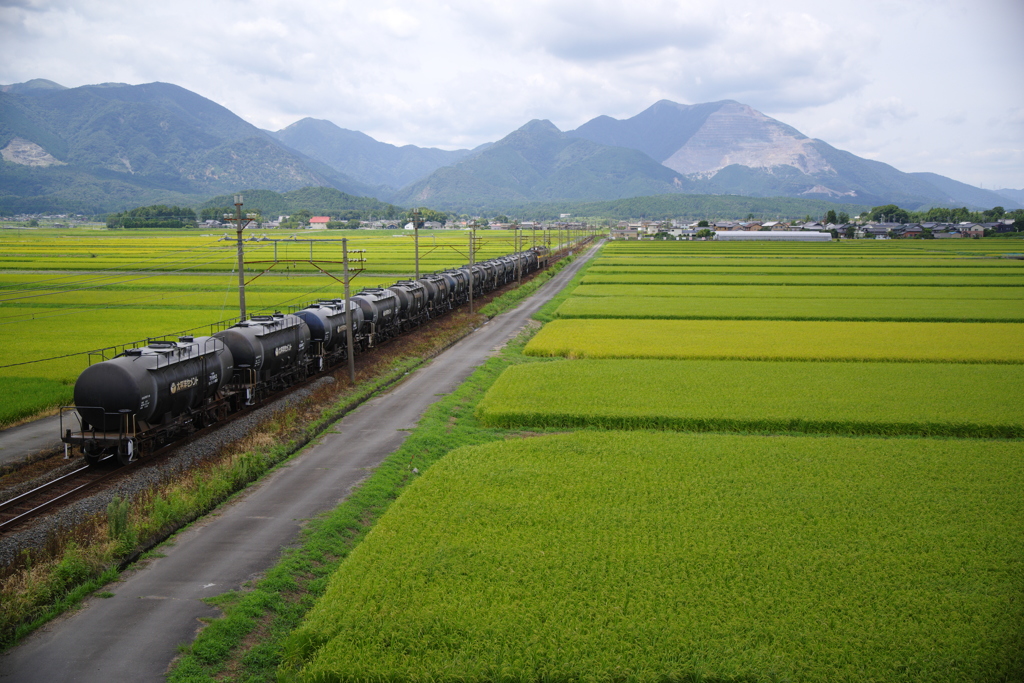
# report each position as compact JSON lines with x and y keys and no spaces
{"x":891,"y":213}
{"x":156,"y":216}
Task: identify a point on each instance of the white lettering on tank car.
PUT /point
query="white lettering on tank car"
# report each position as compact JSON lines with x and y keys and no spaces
{"x":184,"y":384}
{"x":282,"y":349}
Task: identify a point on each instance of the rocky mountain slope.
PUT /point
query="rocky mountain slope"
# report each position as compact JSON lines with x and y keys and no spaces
{"x":729,"y":148}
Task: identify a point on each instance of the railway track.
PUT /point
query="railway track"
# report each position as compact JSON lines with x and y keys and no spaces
{"x":31,"y":504}
{"x":23,"y":508}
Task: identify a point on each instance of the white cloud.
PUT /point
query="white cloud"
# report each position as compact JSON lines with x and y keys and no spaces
{"x":397,"y":22}
{"x":878,"y":113}
{"x":876,"y":78}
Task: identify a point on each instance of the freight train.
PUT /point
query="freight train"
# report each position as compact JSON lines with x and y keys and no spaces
{"x":148,"y":397}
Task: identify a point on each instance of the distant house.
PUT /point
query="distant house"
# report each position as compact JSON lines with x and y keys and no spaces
{"x":772,"y":235}
{"x":625,"y":234}
{"x":319,"y":222}
{"x":877,"y":232}
{"x":972,"y":229}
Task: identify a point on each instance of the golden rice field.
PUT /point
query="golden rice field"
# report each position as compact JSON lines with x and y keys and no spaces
{"x":876,"y":293}
{"x":795,"y":308}
{"x":198,"y":251}
{"x":782,"y":340}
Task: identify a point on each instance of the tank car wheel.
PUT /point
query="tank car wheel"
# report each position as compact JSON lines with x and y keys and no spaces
{"x":92,"y":459}
{"x":95,"y":455}
{"x":127,"y":455}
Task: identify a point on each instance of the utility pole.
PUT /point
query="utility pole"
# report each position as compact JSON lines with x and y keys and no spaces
{"x":416,"y":238}
{"x":519,"y":253}
{"x":348,"y":315}
{"x":472,"y":262}
{"x":240,"y":225}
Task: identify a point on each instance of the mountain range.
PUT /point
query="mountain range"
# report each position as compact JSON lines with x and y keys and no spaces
{"x":111,"y":146}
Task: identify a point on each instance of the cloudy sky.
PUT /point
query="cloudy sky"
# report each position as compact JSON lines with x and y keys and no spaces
{"x":924,"y":85}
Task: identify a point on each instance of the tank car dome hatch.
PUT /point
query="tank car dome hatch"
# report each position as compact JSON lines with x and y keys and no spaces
{"x":326,"y":322}
{"x":268,"y":344}
{"x":411,"y":296}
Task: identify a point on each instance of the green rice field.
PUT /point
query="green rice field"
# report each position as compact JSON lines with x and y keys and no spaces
{"x":934,"y":399}
{"x":1008,"y":269}
{"x":876,"y":292}
{"x":666,"y":277}
{"x":782,"y":340}
{"x":792,"y":308}
{"x":646,"y":556}
{"x":844,"y":249}
{"x":794,"y":262}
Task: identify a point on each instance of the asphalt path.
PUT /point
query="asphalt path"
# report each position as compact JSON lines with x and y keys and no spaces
{"x":24,"y":441}
{"x":134,"y":635}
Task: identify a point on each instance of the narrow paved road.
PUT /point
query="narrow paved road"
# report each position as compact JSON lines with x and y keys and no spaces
{"x":134,"y":635}
{"x":40,"y":436}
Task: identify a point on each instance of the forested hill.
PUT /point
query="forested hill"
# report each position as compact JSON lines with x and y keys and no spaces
{"x":318,"y":201}
{"x":106,"y":147}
